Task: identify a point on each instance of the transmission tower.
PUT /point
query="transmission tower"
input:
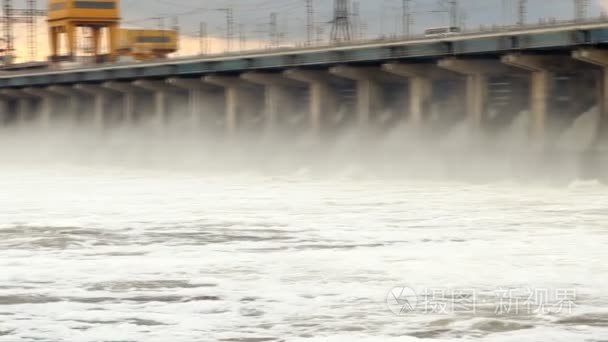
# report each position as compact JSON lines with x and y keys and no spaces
{"x":580,"y":9}
{"x":11,"y":16}
{"x":522,"y":12}
{"x":310,"y":22}
{"x":341,"y":26}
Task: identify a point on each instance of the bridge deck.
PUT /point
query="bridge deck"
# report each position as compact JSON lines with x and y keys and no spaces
{"x":552,"y":38}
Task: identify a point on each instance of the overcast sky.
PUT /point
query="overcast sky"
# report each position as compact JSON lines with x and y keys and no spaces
{"x":380,"y":16}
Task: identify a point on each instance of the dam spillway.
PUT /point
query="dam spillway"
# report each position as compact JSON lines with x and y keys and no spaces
{"x":552,"y":74}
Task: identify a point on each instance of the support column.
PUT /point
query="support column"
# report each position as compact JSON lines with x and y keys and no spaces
{"x":4,"y":110}
{"x":23,"y":103}
{"x":234,"y":94}
{"x":53,"y":41}
{"x":476,"y":72}
{"x":599,"y":58}
{"x":476,"y":99}
{"x":70,"y":31}
{"x":71,"y":94}
{"x":46,"y":104}
{"x":541,"y":80}
{"x":369,"y":95}
{"x":128,"y":92}
{"x":277,"y":100}
{"x":100,"y":98}
{"x":322,"y":96}
{"x":197,"y":92}
{"x":160,"y":90}
{"x":420,"y":90}
{"x":540,"y":83}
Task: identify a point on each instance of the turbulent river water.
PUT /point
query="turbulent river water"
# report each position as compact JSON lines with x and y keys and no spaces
{"x":97,"y":252}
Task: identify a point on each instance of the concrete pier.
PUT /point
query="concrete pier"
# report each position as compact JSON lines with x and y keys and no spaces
{"x":23,"y":104}
{"x":198,"y":97}
{"x":322,"y":97}
{"x":279,"y":99}
{"x":129,"y":93}
{"x":598,"y":58}
{"x":236,"y":99}
{"x":161,"y":92}
{"x":541,"y":81}
{"x":369,"y":94}
{"x":47,"y":101}
{"x":476,"y":72}
{"x":73,"y":99}
{"x":100,"y":98}
{"x":420,"y":87}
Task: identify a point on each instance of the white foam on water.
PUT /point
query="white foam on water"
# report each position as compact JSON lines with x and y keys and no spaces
{"x":158,"y":255}
{"x":132,"y":234}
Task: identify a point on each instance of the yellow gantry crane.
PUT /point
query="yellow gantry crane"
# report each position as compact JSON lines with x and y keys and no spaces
{"x":144,"y":44}
{"x":102,"y":19}
{"x":100,"y":16}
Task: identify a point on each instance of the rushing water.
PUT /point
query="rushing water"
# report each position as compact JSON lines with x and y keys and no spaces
{"x":99,"y":243}
{"x":124,"y":255}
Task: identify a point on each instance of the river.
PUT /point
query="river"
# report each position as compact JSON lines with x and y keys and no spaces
{"x":152,"y":250}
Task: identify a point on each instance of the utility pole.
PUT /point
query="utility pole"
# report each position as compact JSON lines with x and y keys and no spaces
{"x":160,"y":23}
{"x":229,"y":26}
{"x":32,"y":32}
{"x":242,"y":37}
{"x":356,"y":20}
{"x":310,"y":22}
{"x":320,"y":31}
{"x":453,"y":4}
{"x":580,"y":9}
{"x":175,"y":24}
{"x":522,"y":12}
{"x":273,"y":30}
{"x":341,"y":25}
{"x":7,"y":8}
{"x":202,"y":38}
{"x":406,"y":17}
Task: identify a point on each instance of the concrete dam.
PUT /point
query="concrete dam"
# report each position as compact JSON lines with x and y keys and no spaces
{"x":551,"y":75}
